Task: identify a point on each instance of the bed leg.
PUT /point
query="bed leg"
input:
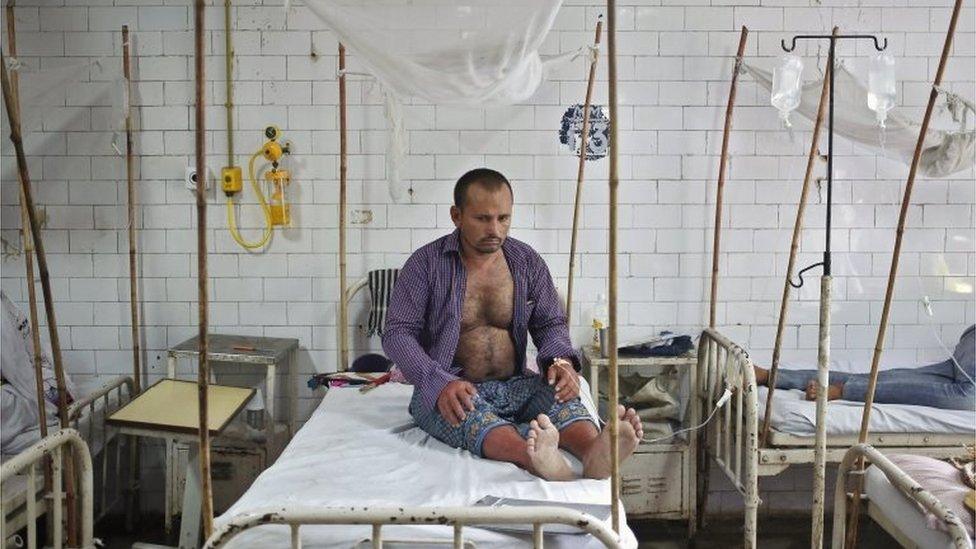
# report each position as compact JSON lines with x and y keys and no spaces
{"x":296,"y":538}
{"x":458,"y":537}
{"x":377,"y":536}
{"x":537,"y":536}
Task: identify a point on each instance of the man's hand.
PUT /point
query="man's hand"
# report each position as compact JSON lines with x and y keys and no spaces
{"x":565,"y":378}
{"x":455,"y":400}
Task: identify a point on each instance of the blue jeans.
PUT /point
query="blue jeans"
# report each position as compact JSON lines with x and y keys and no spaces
{"x":939,"y":385}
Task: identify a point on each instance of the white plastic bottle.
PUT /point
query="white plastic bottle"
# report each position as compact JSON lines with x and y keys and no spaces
{"x":882,"y":86}
{"x":787,"y":89}
{"x":601,"y":317}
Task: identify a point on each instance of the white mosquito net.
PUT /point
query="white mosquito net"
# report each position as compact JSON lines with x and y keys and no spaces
{"x":58,"y":98}
{"x":945,"y":151}
{"x":473,"y":52}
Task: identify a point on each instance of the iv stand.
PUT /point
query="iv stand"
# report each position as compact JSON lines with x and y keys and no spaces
{"x":823,"y":347}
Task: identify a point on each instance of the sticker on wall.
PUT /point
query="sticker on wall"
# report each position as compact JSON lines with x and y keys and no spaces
{"x":598,"y":141}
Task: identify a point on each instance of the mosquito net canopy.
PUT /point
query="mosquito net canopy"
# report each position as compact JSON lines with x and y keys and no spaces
{"x":468,"y":53}
{"x":462,"y":53}
{"x":945,"y":151}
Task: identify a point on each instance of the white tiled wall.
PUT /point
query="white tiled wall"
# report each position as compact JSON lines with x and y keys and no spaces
{"x":674,"y":65}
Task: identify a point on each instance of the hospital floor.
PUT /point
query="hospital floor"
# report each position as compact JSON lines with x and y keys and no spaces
{"x":775,"y":532}
{"x":786,"y":531}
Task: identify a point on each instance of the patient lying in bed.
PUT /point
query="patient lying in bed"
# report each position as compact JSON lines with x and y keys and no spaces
{"x":947,"y":384}
{"x":457,"y":326}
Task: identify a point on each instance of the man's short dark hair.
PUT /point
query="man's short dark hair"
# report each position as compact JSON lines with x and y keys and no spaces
{"x":487,"y":178}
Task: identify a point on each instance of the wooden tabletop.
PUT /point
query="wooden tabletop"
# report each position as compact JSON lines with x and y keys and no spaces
{"x":172,"y":405}
{"x":238,"y":348}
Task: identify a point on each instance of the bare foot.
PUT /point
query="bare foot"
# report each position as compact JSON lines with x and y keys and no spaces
{"x":834,"y":390}
{"x":543,"y":448}
{"x":762,"y":375}
{"x":596,"y":460}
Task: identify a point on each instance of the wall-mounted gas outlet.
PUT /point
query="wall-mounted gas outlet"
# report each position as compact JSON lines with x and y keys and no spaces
{"x":190,"y":178}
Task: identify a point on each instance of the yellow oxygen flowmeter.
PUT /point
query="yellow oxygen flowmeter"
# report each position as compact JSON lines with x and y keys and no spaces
{"x":277,"y":211}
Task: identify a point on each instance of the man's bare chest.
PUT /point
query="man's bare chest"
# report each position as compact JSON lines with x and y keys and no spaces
{"x":488,"y":297}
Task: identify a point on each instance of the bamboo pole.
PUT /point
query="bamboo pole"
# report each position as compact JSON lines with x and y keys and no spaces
{"x":896,"y":255}
{"x":613,"y":384}
{"x":343,"y":169}
{"x":820,"y":439}
{"x":28,"y":247}
{"x":823,"y":346}
{"x":723,"y":160}
{"x":203,"y":374}
{"x":13,"y":116}
{"x":133,"y":271}
{"x":794,"y":247}
{"x":131,"y":194}
{"x":584,"y":137}
{"x":27,"y":242}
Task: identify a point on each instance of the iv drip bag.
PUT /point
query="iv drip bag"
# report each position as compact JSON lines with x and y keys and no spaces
{"x":881,"y":86}
{"x":787,"y":90}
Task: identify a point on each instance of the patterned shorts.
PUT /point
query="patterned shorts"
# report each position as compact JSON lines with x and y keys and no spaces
{"x":515,"y":401}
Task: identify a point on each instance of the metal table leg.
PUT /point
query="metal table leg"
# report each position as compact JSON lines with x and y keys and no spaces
{"x":192,"y":501}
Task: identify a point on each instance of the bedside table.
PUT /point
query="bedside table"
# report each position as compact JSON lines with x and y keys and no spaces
{"x":658,"y":481}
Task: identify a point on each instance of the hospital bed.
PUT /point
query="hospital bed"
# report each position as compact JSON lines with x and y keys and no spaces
{"x":86,"y":417}
{"x":898,"y":504}
{"x":733,"y":435}
{"x":360,"y":463}
{"x":28,"y":466}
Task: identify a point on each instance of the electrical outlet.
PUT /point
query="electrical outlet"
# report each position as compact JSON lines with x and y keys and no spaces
{"x":190,"y":178}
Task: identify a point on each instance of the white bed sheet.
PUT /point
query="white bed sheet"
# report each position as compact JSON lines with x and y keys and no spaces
{"x":364,"y":450}
{"x":795,"y":415}
{"x":902,"y":511}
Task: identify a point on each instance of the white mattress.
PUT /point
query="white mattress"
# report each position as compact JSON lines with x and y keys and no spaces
{"x":364,"y":450}
{"x":904,"y":513}
{"x":795,"y":415}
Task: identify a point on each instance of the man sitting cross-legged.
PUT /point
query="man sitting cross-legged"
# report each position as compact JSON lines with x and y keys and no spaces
{"x":457,"y":325}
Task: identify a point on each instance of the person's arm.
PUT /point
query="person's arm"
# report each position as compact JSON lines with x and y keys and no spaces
{"x":405,"y":319}
{"x":547,"y":320}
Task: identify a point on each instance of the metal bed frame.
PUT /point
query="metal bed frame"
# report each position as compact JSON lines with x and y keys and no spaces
{"x":907,"y":486}
{"x":18,"y":510}
{"x":377,"y":517}
{"x":98,"y":405}
{"x":31,"y":460}
{"x":733,"y":436}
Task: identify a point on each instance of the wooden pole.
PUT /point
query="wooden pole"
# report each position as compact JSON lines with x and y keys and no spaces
{"x":28,"y":247}
{"x":723,"y":160}
{"x":27,"y":242}
{"x":133,"y":274}
{"x":823,"y":346}
{"x":343,"y":169}
{"x":584,"y":137}
{"x":613,"y":385}
{"x":203,"y":374}
{"x":13,"y":116}
{"x":896,"y":255}
{"x":131,"y":195}
{"x":794,"y":247}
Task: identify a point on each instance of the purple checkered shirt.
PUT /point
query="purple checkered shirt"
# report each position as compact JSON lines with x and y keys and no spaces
{"x":423,"y":322}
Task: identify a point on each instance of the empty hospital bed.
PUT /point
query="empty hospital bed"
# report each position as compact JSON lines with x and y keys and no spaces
{"x":733,"y":436}
{"x":360,"y":452}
